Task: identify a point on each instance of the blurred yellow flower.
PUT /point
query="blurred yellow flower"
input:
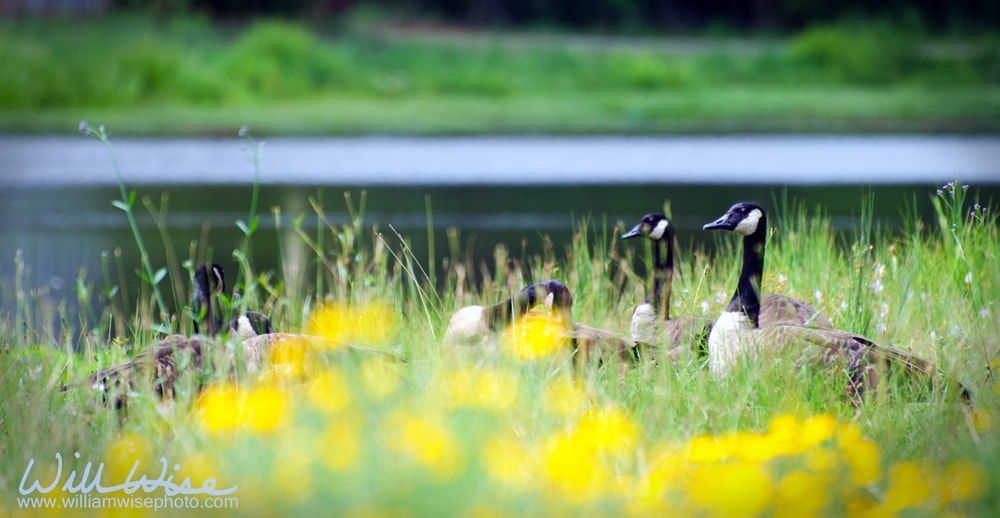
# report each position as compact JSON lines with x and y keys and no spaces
{"x":507,"y":461}
{"x":817,"y":429}
{"x":340,"y":442}
{"x":860,"y":455}
{"x":963,"y":480}
{"x":423,"y":440}
{"x":122,"y":454}
{"x":369,"y":324}
{"x":220,"y":408}
{"x":536,"y":335}
{"x":800,"y":494}
{"x":328,"y":391}
{"x":607,"y":430}
{"x":909,"y":486}
{"x":287,"y":357}
{"x":731,"y":489}
{"x":379,"y":377}
{"x":480,"y":387}
{"x":572,"y":466}
{"x":648,"y":496}
{"x":562,"y":397}
{"x":707,"y":449}
{"x":197,"y":467}
{"x":266,"y":408}
{"x":223,"y":408}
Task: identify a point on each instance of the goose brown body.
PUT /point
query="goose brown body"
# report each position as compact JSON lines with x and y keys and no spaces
{"x":738,"y":332}
{"x":651,"y":320}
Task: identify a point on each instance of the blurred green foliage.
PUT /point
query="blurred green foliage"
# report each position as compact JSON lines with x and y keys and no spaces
{"x":127,"y":61}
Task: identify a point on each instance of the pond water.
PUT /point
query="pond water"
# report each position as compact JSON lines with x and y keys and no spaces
{"x":56,"y":192}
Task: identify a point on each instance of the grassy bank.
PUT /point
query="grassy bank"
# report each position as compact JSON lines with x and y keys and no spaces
{"x":188,"y":77}
{"x":323,"y":430}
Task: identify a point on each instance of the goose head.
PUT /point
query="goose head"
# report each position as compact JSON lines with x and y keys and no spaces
{"x":209,"y":283}
{"x":652,"y":226}
{"x":745,"y":219}
{"x":250,"y":324}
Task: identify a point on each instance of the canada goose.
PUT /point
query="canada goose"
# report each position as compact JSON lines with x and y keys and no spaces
{"x":737,"y":332}
{"x":160,"y":362}
{"x":652,"y":317}
{"x":651,"y":320}
{"x":474,"y":325}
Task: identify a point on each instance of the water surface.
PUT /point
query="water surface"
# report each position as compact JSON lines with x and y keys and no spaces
{"x":56,"y":193}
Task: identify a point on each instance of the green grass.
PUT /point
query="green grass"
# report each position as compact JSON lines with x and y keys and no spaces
{"x":188,"y":77}
{"x":440,"y":436}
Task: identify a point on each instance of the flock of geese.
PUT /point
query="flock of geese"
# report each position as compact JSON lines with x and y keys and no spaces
{"x":754,"y":327}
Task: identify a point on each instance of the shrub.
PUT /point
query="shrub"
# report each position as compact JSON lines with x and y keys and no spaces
{"x":875,"y":55}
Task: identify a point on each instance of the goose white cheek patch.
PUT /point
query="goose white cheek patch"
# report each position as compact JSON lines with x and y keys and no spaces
{"x":749,"y":224}
{"x":659,"y":229}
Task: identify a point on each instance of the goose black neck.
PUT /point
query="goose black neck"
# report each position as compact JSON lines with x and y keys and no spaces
{"x":746,"y":300}
{"x":503,"y":313}
{"x":202,"y":300}
{"x":663,"y":275}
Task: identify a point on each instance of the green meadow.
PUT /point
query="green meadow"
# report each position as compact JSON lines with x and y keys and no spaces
{"x":325,"y":429}
{"x":185,"y":76}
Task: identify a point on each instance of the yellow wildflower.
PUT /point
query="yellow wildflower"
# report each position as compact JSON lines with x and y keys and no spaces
{"x":733,"y":489}
{"x":475,"y":387}
{"x":507,"y":460}
{"x":571,"y":465}
{"x":340,"y":442}
{"x":800,"y":494}
{"x":648,"y":496}
{"x":225,"y":408}
{"x":425,"y":441}
{"x":860,"y":455}
{"x":607,"y":430}
{"x":287,"y":357}
{"x":328,"y":391}
{"x":198,"y":467}
{"x":563,"y":397}
{"x":379,"y":377}
{"x":220,"y":408}
{"x":963,"y":480}
{"x":536,"y":335}
{"x":121,"y":456}
{"x":369,"y":324}
{"x":817,"y":429}
{"x":909,"y":486}
{"x":266,"y":409}
{"x":785,"y":435}
{"x":707,"y":449}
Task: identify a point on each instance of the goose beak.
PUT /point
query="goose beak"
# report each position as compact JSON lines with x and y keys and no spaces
{"x":721,"y":223}
{"x":635,"y":232}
